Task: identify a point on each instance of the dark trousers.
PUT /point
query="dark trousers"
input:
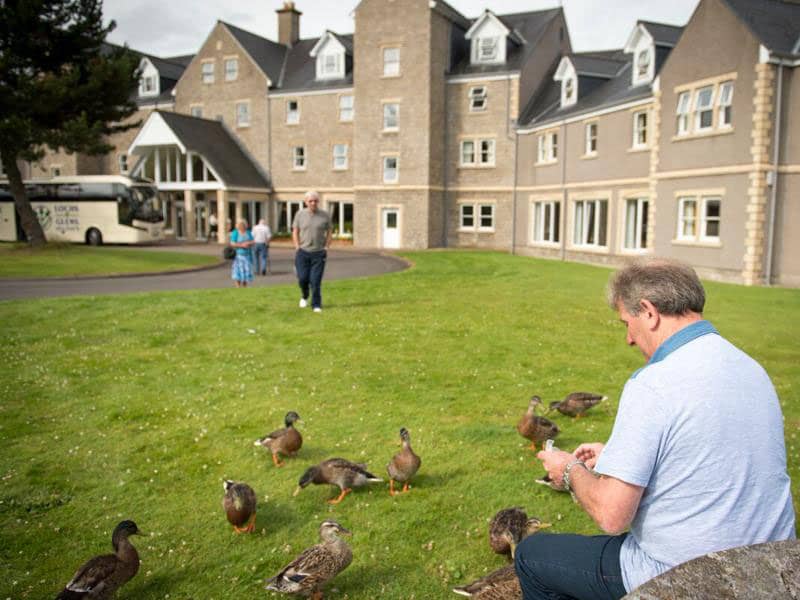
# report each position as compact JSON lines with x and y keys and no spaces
{"x":310,"y":266}
{"x":262,"y":256}
{"x":561,"y":566}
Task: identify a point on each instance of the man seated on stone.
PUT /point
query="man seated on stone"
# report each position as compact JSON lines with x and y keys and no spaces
{"x":696,"y":461}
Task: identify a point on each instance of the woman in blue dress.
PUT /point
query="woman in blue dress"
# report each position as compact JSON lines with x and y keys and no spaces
{"x":242,"y":268}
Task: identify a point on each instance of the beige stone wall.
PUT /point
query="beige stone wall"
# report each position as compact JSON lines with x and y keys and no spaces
{"x":414,"y":216}
{"x":498,"y":238}
{"x":219,"y":99}
{"x":786,"y":263}
{"x":67,"y":164}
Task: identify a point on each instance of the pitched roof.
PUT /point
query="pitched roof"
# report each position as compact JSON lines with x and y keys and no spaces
{"x":211,"y":140}
{"x":593,"y":65}
{"x":451,"y":14}
{"x":300,"y":70}
{"x":267,"y":55}
{"x":776,"y":23}
{"x":166,"y":67}
{"x":663,"y":34}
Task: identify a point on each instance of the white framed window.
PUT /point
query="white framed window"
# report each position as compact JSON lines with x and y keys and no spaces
{"x":486,"y":217}
{"x":687,"y":218}
{"x":299,"y":158}
{"x":546,"y":222}
{"x":590,"y":139}
{"x":635,"y":224}
{"x":467,"y":216}
{"x":704,"y":109}
{"x":391,"y":62}
{"x":640,"y":129}
{"x":724,"y":102}
{"x":346,"y":108}
{"x":710,"y":218}
{"x":477,"y":98}
{"x":122,"y":161}
{"x":341,"y":218}
{"x":548,"y":147}
{"x":292,"y":112}
{"x":330,"y":65}
{"x":590,"y":223}
{"x":196,"y":110}
{"x":243,"y":114}
{"x":476,"y":217}
{"x":391,"y":116}
{"x":340,"y":157}
{"x":682,"y":112}
{"x":390,"y":169}
{"x":569,"y":92}
{"x":55,"y":170}
{"x":643,"y":59}
{"x":148,"y":85}
{"x":486,"y":49}
{"x":231,"y":69}
{"x":207,"y":68}
{"x":478,"y":152}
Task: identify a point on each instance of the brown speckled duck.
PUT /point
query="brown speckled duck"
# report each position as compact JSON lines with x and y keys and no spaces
{"x":286,"y":441}
{"x":577,"y":403}
{"x":498,"y":585}
{"x":101,"y":577}
{"x":404,"y":465}
{"x":308,"y":573}
{"x":340,"y":472}
{"x":508,"y":527}
{"x":240,"y":505}
{"x":537,"y":429}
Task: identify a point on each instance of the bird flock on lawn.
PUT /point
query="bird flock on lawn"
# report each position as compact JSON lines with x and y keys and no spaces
{"x":101,"y":577}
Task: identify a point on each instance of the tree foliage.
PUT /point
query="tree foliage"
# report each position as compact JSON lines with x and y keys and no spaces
{"x":61,"y":86}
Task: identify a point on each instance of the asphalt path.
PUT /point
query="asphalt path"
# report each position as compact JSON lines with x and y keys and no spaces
{"x":343,"y":263}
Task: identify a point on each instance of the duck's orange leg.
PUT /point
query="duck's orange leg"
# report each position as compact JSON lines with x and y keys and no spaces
{"x":533,"y":446}
{"x":248,"y":528}
{"x":344,"y":493}
{"x":277,"y":461}
{"x":317,"y":595}
{"x":405,"y":487}
{"x":391,"y":487}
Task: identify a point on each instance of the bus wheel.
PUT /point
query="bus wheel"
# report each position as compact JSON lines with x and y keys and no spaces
{"x":94,"y":237}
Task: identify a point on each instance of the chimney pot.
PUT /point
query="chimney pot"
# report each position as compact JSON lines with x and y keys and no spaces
{"x":288,"y":24}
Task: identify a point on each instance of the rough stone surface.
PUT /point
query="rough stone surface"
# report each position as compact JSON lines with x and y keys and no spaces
{"x":769,"y":570}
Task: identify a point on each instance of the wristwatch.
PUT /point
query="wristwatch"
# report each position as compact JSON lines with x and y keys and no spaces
{"x":565,"y":476}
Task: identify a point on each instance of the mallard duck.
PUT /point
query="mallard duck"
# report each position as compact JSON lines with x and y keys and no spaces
{"x":240,"y":505}
{"x":577,"y":403}
{"x":337,"y":471}
{"x":101,"y":577}
{"x":509,"y":526}
{"x":316,"y":566}
{"x":286,"y":441}
{"x":404,"y":465}
{"x":537,"y":429}
{"x":498,"y":585}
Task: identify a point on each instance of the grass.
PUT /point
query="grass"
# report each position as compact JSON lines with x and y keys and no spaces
{"x":138,"y":407}
{"x":66,"y":260}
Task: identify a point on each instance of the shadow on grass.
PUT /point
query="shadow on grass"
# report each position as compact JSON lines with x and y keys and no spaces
{"x":274,"y":517}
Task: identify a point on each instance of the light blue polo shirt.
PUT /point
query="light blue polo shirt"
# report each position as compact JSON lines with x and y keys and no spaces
{"x":701,"y":429}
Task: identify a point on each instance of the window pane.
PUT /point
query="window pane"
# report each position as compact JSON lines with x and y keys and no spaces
{"x":467,"y":152}
{"x":630,"y":224}
{"x":602,"y":221}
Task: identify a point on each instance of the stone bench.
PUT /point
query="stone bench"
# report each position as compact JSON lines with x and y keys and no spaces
{"x":769,"y":570}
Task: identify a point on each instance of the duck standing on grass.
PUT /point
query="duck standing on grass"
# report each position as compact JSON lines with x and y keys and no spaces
{"x":308,"y":573}
{"x":497,"y":585}
{"x":508,"y":527}
{"x":101,"y":577}
{"x":537,"y":429}
{"x":240,"y":504}
{"x":286,"y":441}
{"x":577,"y":403}
{"x":340,"y":472}
{"x":404,"y":465}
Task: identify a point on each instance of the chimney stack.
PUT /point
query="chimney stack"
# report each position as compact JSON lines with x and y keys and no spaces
{"x":288,"y":24}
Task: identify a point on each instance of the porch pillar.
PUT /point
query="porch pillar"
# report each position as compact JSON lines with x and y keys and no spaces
{"x":222,"y":216}
{"x":188,"y":203}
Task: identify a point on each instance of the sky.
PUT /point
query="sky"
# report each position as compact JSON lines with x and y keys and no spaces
{"x":175,"y":27}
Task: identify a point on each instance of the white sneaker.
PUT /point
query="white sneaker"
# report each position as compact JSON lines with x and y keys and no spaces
{"x":303,"y":303}
{"x":318,"y":309}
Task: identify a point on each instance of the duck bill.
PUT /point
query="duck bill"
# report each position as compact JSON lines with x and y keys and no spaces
{"x":343,"y":531}
{"x":544,"y":525}
{"x":297,"y":491}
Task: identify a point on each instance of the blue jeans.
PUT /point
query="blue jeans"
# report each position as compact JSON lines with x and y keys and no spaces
{"x":310,"y":266}
{"x":261,"y":257}
{"x":560,"y":566}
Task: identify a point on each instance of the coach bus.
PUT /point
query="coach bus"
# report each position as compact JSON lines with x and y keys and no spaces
{"x":91,"y":209}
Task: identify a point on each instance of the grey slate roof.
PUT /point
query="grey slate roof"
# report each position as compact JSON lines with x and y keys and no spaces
{"x":300,"y":70}
{"x":452,"y":14}
{"x":590,"y":64}
{"x":662,"y":33}
{"x":267,"y":55}
{"x":776,"y":23}
{"x":529,"y":25}
{"x":166,"y":68}
{"x":215,"y":144}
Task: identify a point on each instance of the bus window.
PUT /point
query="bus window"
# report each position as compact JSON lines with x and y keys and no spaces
{"x":146,"y":201}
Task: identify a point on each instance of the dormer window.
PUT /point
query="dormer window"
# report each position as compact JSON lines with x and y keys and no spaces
{"x":643,"y":63}
{"x":488,"y":36}
{"x":329,"y":53}
{"x":148,"y":80}
{"x":569,"y":89}
{"x":641,"y":46}
{"x":487,"y":49}
{"x":568,"y":77}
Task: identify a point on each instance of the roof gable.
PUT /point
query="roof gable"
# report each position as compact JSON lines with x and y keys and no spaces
{"x":327,"y":43}
{"x":267,"y":55}
{"x":775,"y":23}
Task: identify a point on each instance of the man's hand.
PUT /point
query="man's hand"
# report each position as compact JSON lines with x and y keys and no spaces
{"x":554,"y":462}
{"x":589,"y":453}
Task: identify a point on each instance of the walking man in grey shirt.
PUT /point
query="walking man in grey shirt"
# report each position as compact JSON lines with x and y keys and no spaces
{"x":311,"y":234}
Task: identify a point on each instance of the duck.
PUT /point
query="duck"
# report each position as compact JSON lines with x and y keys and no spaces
{"x":501,"y":584}
{"x":577,"y":403}
{"x":404,"y":465}
{"x":100,"y":577}
{"x":286,"y":441}
{"x":537,"y":429}
{"x":509,"y":526}
{"x":337,"y":471}
{"x":240,"y":506}
{"x":308,"y":573}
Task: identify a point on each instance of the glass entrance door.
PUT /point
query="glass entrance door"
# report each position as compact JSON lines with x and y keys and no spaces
{"x":200,"y":220}
{"x":180,"y":221}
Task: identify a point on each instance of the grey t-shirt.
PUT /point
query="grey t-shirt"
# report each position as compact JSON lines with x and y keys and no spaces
{"x":313,"y":229}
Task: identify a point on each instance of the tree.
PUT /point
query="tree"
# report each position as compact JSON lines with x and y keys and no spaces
{"x":61,"y":86}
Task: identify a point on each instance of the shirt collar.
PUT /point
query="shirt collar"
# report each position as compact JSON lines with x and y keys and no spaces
{"x":678,"y":339}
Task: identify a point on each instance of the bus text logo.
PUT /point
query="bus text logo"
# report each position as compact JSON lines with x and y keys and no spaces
{"x":43,"y":214}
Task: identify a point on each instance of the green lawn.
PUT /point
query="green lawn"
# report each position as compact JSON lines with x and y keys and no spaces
{"x":138,"y":406}
{"x":66,"y":260}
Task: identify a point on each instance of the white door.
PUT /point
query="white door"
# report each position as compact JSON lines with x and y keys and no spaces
{"x":390,"y":228}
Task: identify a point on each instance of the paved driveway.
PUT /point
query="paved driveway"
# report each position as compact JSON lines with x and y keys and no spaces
{"x":343,"y":263}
